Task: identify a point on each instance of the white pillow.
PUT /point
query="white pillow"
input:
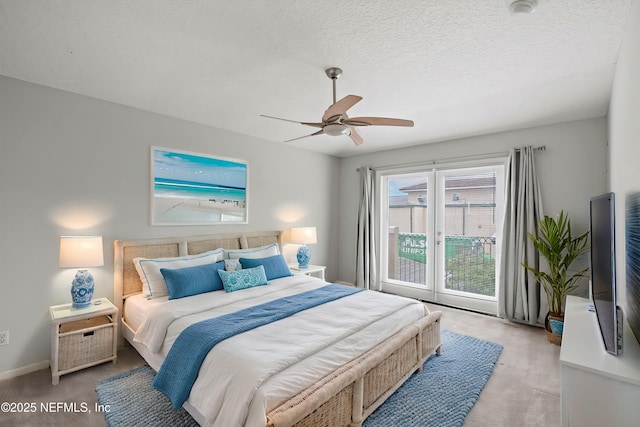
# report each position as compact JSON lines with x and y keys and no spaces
{"x":260,"y":252}
{"x":153,"y":284}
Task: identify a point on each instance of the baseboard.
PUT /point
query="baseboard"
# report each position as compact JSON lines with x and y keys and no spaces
{"x":339,"y":282}
{"x":24,"y":370}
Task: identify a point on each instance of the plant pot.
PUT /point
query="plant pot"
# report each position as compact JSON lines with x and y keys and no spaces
{"x":554,"y":325}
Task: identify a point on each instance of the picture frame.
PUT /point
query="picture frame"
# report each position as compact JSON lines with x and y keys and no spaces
{"x":197,"y":189}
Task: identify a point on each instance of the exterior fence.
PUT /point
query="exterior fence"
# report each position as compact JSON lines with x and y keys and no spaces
{"x":469,"y":261}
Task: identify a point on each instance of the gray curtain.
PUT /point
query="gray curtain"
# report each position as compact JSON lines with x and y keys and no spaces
{"x":520,"y":296}
{"x":366,"y":266}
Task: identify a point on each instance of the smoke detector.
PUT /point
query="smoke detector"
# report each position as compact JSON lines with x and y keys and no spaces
{"x":523,"y":6}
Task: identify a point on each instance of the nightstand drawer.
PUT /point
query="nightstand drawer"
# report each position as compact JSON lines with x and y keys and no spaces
{"x":84,"y":342}
{"x":79,"y":325}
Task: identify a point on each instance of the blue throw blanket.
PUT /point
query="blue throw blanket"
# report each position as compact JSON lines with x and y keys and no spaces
{"x":180,"y":369}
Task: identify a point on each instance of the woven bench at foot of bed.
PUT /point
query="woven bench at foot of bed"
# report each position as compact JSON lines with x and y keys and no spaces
{"x":351,"y":393}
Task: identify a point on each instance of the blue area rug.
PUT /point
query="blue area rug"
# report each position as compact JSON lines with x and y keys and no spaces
{"x":133,"y":402}
{"x":441,"y":395}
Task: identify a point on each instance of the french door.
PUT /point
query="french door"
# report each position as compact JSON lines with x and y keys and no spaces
{"x":440,"y":234}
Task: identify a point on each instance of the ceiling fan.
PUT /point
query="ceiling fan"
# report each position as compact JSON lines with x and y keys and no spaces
{"x":335,"y":120}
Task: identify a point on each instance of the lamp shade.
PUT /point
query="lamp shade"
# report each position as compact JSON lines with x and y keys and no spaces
{"x":304,"y":235}
{"x":81,"y":251}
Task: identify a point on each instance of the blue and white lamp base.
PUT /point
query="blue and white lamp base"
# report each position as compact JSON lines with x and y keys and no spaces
{"x":82,"y":289}
{"x":303,"y":256}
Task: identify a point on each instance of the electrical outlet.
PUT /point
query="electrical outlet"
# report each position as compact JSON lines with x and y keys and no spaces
{"x":4,"y":337}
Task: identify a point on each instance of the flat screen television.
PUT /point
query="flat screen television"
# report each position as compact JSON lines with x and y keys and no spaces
{"x":603,"y":271}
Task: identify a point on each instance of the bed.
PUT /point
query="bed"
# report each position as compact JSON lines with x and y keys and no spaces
{"x":337,"y":384}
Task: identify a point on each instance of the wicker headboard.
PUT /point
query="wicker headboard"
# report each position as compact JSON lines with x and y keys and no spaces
{"x":125,"y":277}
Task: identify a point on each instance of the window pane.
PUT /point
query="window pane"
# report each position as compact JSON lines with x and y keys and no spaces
{"x":407,"y":223}
{"x":470,"y":233}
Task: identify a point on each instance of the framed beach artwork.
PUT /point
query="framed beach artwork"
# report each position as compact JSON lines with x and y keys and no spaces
{"x":197,"y":189}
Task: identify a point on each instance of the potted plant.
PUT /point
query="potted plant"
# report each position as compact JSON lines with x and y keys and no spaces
{"x":556,"y":243}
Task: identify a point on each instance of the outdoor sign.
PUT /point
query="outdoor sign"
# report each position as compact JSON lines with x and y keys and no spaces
{"x":413,"y":246}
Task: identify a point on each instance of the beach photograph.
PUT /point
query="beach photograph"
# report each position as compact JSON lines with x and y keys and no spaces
{"x":190,"y":188}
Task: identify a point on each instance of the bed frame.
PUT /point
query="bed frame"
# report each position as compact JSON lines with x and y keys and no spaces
{"x":343,"y":398}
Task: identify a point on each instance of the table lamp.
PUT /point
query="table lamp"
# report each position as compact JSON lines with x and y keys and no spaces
{"x":81,"y":252}
{"x":303,"y":236}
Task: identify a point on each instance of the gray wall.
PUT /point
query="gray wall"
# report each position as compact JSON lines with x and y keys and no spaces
{"x":572,"y":169}
{"x":624,"y":134}
{"x":76,"y":165}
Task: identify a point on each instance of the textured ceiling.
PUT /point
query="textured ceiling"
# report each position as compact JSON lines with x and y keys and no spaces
{"x":454,"y":67}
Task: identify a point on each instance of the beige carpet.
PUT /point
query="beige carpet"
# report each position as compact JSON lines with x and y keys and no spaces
{"x":523,"y":391}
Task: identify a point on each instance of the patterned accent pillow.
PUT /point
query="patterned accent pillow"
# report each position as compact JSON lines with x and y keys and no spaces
{"x":243,"y":279}
{"x":232,"y":265}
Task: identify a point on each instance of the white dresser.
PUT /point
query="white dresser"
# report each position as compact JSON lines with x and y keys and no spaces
{"x":598,"y":388}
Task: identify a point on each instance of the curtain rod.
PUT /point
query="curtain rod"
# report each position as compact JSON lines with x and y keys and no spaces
{"x":449,"y":159}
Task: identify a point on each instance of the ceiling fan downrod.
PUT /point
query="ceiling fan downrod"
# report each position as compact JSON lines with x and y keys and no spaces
{"x":333,"y":73}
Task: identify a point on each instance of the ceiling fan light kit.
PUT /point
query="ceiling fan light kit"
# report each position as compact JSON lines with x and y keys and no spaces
{"x":336,"y":122}
{"x":336,"y":129}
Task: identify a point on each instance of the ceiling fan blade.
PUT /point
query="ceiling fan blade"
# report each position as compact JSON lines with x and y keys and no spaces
{"x":355,"y":136}
{"x":377,"y":121}
{"x":321,"y":131}
{"x":341,"y":107}
{"x":317,"y":125}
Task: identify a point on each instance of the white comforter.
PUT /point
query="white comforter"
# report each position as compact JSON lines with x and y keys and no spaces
{"x":246,"y":376}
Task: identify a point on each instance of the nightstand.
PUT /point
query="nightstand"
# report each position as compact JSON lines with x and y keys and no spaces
{"x":82,"y":337}
{"x":312,"y":270}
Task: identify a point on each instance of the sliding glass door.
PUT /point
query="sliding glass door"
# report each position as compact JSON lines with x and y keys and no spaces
{"x":440,"y":234}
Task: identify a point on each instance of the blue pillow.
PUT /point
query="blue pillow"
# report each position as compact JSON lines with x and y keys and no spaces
{"x":243,"y":279}
{"x":274,"y":266}
{"x":184,"y":282}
